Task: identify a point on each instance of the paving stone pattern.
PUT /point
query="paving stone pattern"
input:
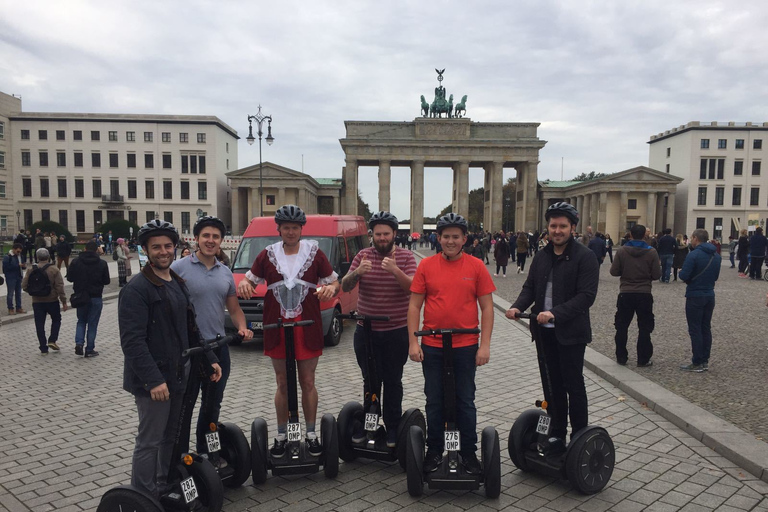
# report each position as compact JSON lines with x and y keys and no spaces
{"x":68,"y":432}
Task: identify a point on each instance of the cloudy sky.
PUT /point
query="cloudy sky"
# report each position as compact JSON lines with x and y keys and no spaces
{"x":600,"y":76}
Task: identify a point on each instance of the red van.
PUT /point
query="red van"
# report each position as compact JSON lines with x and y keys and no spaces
{"x":340,"y":237}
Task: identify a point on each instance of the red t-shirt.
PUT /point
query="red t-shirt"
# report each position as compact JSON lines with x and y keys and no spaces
{"x":451,"y":290}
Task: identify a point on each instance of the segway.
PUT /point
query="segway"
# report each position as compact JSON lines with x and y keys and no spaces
{"x":296,"y":460}
{"x":354,"y":416}
{"x":588,"y":460}
{"x":451,"y":474}
{"x":194,"y":482}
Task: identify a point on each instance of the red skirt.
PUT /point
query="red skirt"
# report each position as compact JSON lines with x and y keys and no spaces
{"x":300,"y":347}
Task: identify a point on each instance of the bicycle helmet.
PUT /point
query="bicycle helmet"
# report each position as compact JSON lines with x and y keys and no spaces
{"x":383,"y":218}
{"x":209,"y":220}
{"x":157,"y":227}
{"x":290,"y":213}
{"x":562,"y":209}
{"x":451,"y":220}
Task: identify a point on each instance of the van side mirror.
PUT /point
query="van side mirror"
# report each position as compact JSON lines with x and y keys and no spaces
{"x":344,"y":268}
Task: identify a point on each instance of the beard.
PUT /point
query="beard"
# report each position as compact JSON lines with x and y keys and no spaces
{"x":386,"y":249}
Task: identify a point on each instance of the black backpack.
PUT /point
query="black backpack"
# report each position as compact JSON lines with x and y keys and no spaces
{"x":114,"y":255}
{"x":38,"y":284}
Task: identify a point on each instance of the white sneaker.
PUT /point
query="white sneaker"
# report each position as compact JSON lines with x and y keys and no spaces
{"x":495,"y":275}
{"x":522,"y":271}
{"x":504,"y":276}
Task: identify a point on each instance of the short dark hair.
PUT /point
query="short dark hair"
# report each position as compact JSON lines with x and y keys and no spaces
{"x":91,"y":246}
{"x":17,"y":246}
{"x":637,"y":231}
{"x":668,"y":231}
{"x":759,"y":230}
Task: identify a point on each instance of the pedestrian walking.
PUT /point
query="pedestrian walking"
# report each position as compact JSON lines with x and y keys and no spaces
{"x":477,"y":250}
{"x":681,"y":251}
{"x":700,"y":271}
{"x":39,"y":279}
{"x":757,"y":247}
{"x":29,"y":247}
{"x":609,"y":246}
{"x":666,"y":248}
{"x":597,"y":246}
{"x":39,"y":242}
{"x":742,"y":251}
{"x":522,"y":247}
{"x":109,"y":242}
{"x":89,"y":275}
{"x":732,"y":245}
{"x":501,"y":255}
{"x":637,"y":266}
{"x":50,"y":243}
{"x":12,"y":269}
{"x":63,"y":251}
{"x":123,"y":262}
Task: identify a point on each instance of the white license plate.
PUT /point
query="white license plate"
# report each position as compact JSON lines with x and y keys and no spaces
{"x":371,"y":421}
{"x":256,"y":326}
{"x":294,"y":432}
{"x":452,"y":440}
{"x":212,"y":438}
{"x":189,"y":490}
{"x":542,"y":427}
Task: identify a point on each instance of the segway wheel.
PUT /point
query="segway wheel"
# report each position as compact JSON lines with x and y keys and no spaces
{"x":259,"y":451}
{"x":590,"y":460}
{"x":237,"y":453}
{"x":521,"y":436}
{"x":330,"y":437}
{"x":489,"y":447}
{"x":415,"y":461}
{"x":351,"y":412}
{"x":124,"y":498}
{"x":411,"y":417}
{"x":210,"y":491}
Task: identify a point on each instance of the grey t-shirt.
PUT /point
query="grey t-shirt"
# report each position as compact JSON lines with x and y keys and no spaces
{"x":178,"y":303}
{"x":548,"y":300}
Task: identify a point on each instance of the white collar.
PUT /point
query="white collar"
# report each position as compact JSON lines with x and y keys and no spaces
{"x":292,"y":268}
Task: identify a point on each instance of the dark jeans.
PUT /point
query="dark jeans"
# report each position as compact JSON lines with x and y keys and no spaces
{"x":610,"y":253}
{"x":14,"y":289}
{"x":666,"y":266}
{"x":390,"y":350}
{"x":41,"y":310}
{"x":756,"y":267}
{"x":88,"y":323}
{"x":466,"y":412}
{"x":698,"y":312}
{"x":743,"y":262}
{"x":30,"y":254}
{"x":503,"y":267}
{"x":521,"y":260}
{"x":568,"y":396}
{"x":212,"y":393}
{"x":733,"y":263}
{"x":626,"y":306}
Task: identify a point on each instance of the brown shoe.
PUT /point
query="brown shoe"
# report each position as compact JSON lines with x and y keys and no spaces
{"x":11,"y":311}
{"x":20,"y":311}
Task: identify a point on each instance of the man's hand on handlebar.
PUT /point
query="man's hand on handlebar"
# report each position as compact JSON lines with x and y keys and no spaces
{"x":216,"y":375}
{"x":246,"y":334}
{"x":513,"y":314}
{"x":483,"y":355}
{"x":545,"y":317}
{"x":415,"y":352}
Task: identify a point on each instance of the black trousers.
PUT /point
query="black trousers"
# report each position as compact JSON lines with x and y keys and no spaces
{"x":743,"y":262}
{"x":563,"y":383}
{"x":627,"y":305}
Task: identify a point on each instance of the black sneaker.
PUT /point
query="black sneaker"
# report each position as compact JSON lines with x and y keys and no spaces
{"x":91,"y":353}
{"x":278,"y":449}
{"x":471,"y":464}
{"x":551,"y":446}
{"x":432,"y":461}
{"x":392,"y":437}
{"x":645,"y":365}
{"x":313,"y":447}
{"x":78,"y":350}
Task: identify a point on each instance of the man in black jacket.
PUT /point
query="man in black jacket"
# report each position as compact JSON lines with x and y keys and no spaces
{"x":63,"y":251}
{"x":561,"y":285}
{"x":90,"y":274}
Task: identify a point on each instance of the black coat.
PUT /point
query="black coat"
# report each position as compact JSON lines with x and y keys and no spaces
{"x":90,"y":273}
{"x":574,"y":288}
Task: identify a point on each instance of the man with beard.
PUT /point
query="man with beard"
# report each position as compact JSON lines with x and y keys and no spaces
{"x":385,"y":277}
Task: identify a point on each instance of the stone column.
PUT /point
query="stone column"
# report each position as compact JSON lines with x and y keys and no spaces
{"x":280,"y":196}
{"x":671,"y":212}
{"x":251,"y":194}
{"x":622,"y":216}
{"x":336,"y":210}
{"x":602,"y":225}
{"x":660,"y":223}
{"x":350,"y":184}
{"x":234,"y":224}
{"x":650,"y":214}
{"x":585,"y":213}
{"x":531,"y":195}
{"x":462,"y":188}
{"x":494,"y":192}
{"x":385,"y":179}
{"x":417,"y":196}
{"x":579,"y":204}
{"x":454,"y":190}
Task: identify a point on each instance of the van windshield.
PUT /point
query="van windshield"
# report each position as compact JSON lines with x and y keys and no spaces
{"x":251,"y":247}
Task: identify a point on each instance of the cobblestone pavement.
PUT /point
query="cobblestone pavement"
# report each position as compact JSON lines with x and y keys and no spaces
{"x":735,"y":386}
{"x":68,"y":436}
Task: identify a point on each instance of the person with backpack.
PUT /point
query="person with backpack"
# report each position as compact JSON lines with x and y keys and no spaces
{"x":90,"y":274}
{"x":44,"y":283}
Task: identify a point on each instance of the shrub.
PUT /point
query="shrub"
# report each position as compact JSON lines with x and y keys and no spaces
{"x":46,"y":226}
{"x":120,"y":229}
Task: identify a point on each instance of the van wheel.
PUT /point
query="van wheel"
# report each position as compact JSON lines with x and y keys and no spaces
{"x":333,"y":336}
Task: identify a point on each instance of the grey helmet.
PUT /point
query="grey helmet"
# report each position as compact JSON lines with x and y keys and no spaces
{"x":562,"y":209}
{"x":290,"y":213}
{"x":209,"y":220}
{"x":451,"y":220}
{"x":384,"y":218}
{"x":157,"y":227}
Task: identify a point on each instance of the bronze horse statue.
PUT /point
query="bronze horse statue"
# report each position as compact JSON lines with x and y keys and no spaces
{"x":461,"y":107}
{"x":440,"y":106}
{"x":424,"y":107}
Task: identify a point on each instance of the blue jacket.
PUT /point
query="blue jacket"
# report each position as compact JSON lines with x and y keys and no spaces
{"x":757,"y":245}
{"x":699,"y":277}
{"x":11,"y":267}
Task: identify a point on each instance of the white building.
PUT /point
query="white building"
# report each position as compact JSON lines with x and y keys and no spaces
{"x":82,"y":170}
{"x":725,"y":187}
{"x":8,"y":219}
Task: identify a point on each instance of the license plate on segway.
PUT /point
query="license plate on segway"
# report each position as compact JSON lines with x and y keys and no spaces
{"x":212,"y":439}
{"x":452,"y":440}
{"x":371,"y":422}
{"x":294,"y":432}
{"x":542,"y":427}
{"x":189,"y":490}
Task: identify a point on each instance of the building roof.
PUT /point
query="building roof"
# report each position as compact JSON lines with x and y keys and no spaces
{"x":558,"y":184}
{"x":714,"y":125}
{"x":637,"y":174}
{"x":328,"y":181}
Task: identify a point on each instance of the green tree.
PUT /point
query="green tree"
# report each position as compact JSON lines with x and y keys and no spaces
{"x":588,"y":176}
{"x":363,"y":208}
{"x":46,"y":226}
{"x":509,"y":190}
{"x":476,"y":207}
{"x":120,"y":228}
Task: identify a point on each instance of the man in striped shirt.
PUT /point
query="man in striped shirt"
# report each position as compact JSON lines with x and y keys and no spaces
{"x":385,"y":274}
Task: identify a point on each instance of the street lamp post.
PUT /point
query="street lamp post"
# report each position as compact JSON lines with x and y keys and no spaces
{"x":260,"y":118}
{"x":18,"y":219}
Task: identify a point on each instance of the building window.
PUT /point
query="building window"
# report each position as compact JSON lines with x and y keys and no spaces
{"x":667,"y":168}
{"x":704,"y":143}
{"x":166,"y":136}
{"x":96,"y":189}
{"x":150,"y":216}
{"x":24,"y":134}
{"x":130,"y":136}
{"x":26,"y":159}
{"x":45,"y":215}
{"x":270,"y":199}
{"x":167,"y":189}
{"x":184,"y":164}
{"x":95,"y":159}
{"x":2,"y":190}
{"x":27,"y":218}
{"x":228,"y":149}
{"x":754,"y":196}
{"x":166,"y":161}
{"x":201,"y":163}
{"x":98,"y":219}
{"x":738,"y":167}
{"x":62,"y":183}
{"x":632,"y":204}
{"x":168,"y":217}
{"x":739,"y":143}
{"x":149,"y":161}
{"x":44,"y":188}
{"x":712,"y":168}
{"x":43,"y":156}
{"x":95,"y":135}
{"x":64,"y":218}
{"x":133,"y":216}
{"x":719,"y":196}
{"x":757,"y":144}
{"x":185,"y":190}
{"x":700,"y":223}
{"x":42,"y":134}
{"x":131,"y":160}
{"x":113,"y":160}
{"x":185,"y":224}
{"x":183,"y":137}
{"x":722,"y":143}
{"x":60,"y":135}
{"x":702,"y":201}
{"x":756,"y":168}
{"x":78,"y":159}
{"x":79,"y":187}
{"x":718,"y":229}
{"x":148,"y":136}
{"x":26,"y":187}
{"x":77,"y":135}
{"x":2,"y":159}
{"x":80,"y":221}
{"x":202,"y":190}
{"x":114,"y":189}
{"x":132,"y":193}
{"x":201,"y":138}
{"x":736,"y":199}
{"x":149,"y":191}
{"x":227,"y":163}
{"x":113,"y":136}
{"x":61,"y":159}
{"x":703,"y":169}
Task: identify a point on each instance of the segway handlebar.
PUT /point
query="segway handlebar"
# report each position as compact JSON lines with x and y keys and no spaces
{"x":287,"y":324}
{"x":208,"y":345}
{"x":354,"y":315}
{"x":532,"y":315}
{"x":438,"y":332}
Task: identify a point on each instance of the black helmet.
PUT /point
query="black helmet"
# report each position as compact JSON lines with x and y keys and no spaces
{"x":157,"y":227}
{"x":209,"y":220}
{"x":562,"y":209}
{"x":383,"y":218}
{"x":290,"y":213}
{"x":451,"y":220}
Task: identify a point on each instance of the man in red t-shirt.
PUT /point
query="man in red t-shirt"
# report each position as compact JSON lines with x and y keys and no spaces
{"x":292,"y":268}
{"x":450,"y":285}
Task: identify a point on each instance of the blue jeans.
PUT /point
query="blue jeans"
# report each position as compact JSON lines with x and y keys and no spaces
{"x":466,"y":412}
{"x":733,"y":263}
{"x":42,"y":310}
{"x":88,"y":316}
{"x":698,"y":312}
{"x":666,"y":266}
{"x":210,"y":401}
{"x":14,"y":288}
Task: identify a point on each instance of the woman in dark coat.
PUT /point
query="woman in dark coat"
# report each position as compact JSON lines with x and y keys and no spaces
{"x":501,"y":255}
{"x":741,"y":252}
{"x":681,"y":251}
